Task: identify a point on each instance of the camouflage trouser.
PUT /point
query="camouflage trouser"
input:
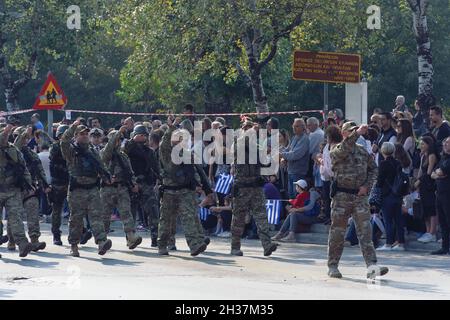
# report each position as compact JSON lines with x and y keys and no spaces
{"x":343,"y":206}
{"x":59,"y":194}
{"x":173,"y":232}
{"x":149,"y":203}
{"x":84,"y":202}
{"x":12,"y":201}
{"x":117,"y":197}
{"x":180,"y":202}
{"x":31,"y":208}
{"x":249,"y":201}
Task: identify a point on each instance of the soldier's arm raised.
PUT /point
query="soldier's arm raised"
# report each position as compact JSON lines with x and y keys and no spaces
{"x":5,"y":135}
{"x":66,"y":150}
{"x":340,"y":151}
{"x":107,"y":152}
{"x":165,"y":148}
{"x":21,"y":139}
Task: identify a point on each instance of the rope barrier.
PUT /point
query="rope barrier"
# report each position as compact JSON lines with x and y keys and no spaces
{"x":10,"y":113}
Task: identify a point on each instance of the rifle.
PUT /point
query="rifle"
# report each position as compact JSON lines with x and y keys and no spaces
{"x":18,"y":169}
{"x":127,"y":170}
{"x":33,"y":164}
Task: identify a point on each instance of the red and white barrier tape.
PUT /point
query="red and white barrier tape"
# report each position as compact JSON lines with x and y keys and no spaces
{"x":3,"y":113}
{"x":10,"y":113}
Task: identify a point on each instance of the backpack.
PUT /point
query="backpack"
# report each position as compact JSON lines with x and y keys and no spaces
{"x":400,"y":186}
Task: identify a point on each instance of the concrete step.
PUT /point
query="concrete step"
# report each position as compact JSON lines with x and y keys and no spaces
{"x":320,"y":228}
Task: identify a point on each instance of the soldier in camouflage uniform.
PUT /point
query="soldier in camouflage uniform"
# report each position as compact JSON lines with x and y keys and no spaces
{"x":179,"y":183}
{"x":85,"y":169}
{"x":117,"y":194}
{"x":248,"y":198}
{"x":13,"y":172}
{"x":60,"y":184}
{"x":354,"y":174}
{"x":147,"y":170}
{"x":30,"y":201}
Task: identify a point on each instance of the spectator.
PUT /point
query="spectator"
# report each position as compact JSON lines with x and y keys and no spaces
{"x":391,"y":205}
{"x":272,"y":124}
{"x":418,"y":121}
{"x":442,"y":177}
{"x":36,"y":123}
{"x":221,"y":120}
{"x":405,"y":136}
{"x":224,"y":216}
{"x":375,"y":119}
{"x":427,"y":187}
{"x":189,"y":112}
{"x":440,"y":128}
{"x":400,"y":104}
{"x":334,"y":137}
{"x":387,"y":134}
{"x":283,"y":139}
{"x":44,"y":156}
{"x":304,"y":210}
{"x":296,"y":155}
{"x":316,"y":136}
{"x":129,"y":123}
{"x":156,"y":124}
{"x":403,"y":158}
{"x":206,"y":124}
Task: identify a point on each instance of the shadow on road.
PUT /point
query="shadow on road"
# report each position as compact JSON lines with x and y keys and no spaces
{"x":26,"y":262}
{"x":396,"y":284}
{"x":7,"y":293}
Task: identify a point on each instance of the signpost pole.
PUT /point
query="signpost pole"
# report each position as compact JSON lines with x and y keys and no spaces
{"x":325,"y":99}
{"x":50,"y":123}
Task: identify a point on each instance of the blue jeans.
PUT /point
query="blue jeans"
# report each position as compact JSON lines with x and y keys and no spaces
{"x":352,"y":237}
{"x":291,"y":188}
{"x":393,"y":221}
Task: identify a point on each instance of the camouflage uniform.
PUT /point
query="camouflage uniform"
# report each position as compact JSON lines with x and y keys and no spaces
{"x":117,"y":195}
{"x":10,"y":193}
{"x":353,"y":167}
{"x":146,"y":169}
{"x":248,"y":198}
{"x":84,"y":195}
{"x":39,"y":180}
{"x":60,"y":183}
{"x":179,"y":197}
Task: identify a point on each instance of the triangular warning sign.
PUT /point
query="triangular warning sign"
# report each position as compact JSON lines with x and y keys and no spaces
{"x":51,"y":96}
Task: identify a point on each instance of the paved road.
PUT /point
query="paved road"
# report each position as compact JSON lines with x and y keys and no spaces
{"x":296,"y":271}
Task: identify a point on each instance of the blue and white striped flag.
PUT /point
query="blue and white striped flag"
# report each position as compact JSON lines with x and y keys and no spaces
{"x":203,"y":213}
{"x":224,"y":183}
{"x":273,"y":211}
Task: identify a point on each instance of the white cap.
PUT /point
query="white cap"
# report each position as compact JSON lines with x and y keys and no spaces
{"x":301,"y":183}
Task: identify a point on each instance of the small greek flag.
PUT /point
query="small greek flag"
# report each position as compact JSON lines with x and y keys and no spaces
{"x":273,"y":211}
{"x":224,"y":183}
{"x":203,"y":213}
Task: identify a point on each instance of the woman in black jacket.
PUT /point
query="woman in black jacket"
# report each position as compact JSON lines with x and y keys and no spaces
{"x":391,"y":204}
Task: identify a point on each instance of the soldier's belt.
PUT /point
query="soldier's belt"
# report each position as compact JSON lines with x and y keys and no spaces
{"x":345,"y":190}
{"x":115,"y":184}
{"x":174,"y":188}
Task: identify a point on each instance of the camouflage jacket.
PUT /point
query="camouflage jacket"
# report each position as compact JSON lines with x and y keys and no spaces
{"x":82,"y":170}
{"x":58,"y":167}
{"x":9,"y":157}
{"x":34,"y":164}
{"x":109,"y":155}
{"x":352,"y":166}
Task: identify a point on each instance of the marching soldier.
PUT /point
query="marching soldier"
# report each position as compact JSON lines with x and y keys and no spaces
{"x":146,"y":168}
{"x":60,"y":183}
{"x":14,"y":177}
{"x":354,"y":174}
{"x":248,"y":197}
{"x":179,"y":184}
{"x":85,"y":169}
{"x":116,"y":195}
{"x":30,"y":200}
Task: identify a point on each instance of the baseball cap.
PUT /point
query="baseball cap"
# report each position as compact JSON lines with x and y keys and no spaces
{"x":80,"y":129}
{"x":301,"y":183}
{"x":349,"y":126}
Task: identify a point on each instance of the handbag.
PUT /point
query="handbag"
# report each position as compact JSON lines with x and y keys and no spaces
{"x":417,"y":208}
{"x":376,"y":196}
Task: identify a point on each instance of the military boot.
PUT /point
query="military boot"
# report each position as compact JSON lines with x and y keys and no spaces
{"x":207,"y":240}
{"x":333,"y":272}
{"x":271,"y":248}
{"x":163,"y":252}
{"x":154,"y":243}
{"x":24,"y":249}
{"x":373,"y":271}
{"x":57,"y":239}
{"x":11,"y":245}
{"x":85,"y":237}
{"x":37,"y":245}
{"x":236,"y":252}
{"x":3,"y":239}
{"x":133,"y":240}
{"x":74,"y":251}
{"x":172,"y":247}
{"x":201,"y":248}
{"x":104,"y":246}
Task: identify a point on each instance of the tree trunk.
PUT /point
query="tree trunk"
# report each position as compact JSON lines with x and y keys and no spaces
{"x":424,"y":56}
{"x":259,"y":96}
{"x":11,"y":99}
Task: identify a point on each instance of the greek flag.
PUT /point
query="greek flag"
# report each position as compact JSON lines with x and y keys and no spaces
{"x":273,"y":211}
{"x":203,"y":213}
{"x":224,"y":183}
